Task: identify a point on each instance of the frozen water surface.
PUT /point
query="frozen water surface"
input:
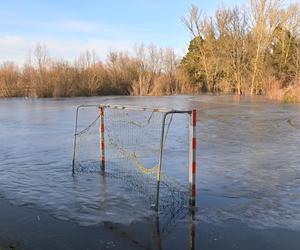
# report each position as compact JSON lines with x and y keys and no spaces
{"x":248,"y":162}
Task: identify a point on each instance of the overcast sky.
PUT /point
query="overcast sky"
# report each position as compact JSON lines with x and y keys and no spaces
{"x":69,"y":27}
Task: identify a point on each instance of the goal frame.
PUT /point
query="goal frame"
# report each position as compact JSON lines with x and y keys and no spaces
{"x":166,"y":112}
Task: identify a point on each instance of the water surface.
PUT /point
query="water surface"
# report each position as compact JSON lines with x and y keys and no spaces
{"x":248,"y":164}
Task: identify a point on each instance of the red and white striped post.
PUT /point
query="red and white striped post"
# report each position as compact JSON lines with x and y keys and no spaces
{"x":102,"y":151}
{"x":192,"y":160}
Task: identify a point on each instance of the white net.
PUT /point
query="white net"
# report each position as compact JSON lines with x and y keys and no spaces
{"x":132,"y":140}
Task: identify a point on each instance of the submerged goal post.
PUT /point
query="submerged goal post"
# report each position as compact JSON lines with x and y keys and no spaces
{"x":165,"y":119}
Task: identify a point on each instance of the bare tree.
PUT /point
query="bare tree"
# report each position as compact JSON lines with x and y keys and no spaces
{"x":203,"y":32}
{"x":265,"y":18}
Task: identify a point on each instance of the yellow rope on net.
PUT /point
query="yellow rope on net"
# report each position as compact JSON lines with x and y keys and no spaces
{"x":141,"y":167}
{"x":134,"y":159}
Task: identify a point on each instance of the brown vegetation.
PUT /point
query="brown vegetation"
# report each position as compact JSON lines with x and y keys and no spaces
{"x":245,"y":50}
{"x":289,"y":94}
{"x":150,"y":71}
{"x":253,"y":50}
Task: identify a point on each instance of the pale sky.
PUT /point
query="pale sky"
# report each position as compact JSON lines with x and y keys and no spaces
{"x":70,"y":27}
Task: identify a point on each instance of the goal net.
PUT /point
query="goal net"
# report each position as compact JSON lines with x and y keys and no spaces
{"x":149,"y":149}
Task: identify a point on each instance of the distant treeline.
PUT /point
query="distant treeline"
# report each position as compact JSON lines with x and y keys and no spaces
{"x":246,"y":50}
{"x":149,"y":71}
{"x":242,"y":50}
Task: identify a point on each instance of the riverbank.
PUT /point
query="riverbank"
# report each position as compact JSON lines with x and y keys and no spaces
{"x":290,"y":94}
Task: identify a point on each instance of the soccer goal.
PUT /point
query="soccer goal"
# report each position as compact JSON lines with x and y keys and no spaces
{"x":151,"y":149}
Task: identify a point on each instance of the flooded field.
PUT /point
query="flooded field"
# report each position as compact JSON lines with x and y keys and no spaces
{"x":248,"y":179}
